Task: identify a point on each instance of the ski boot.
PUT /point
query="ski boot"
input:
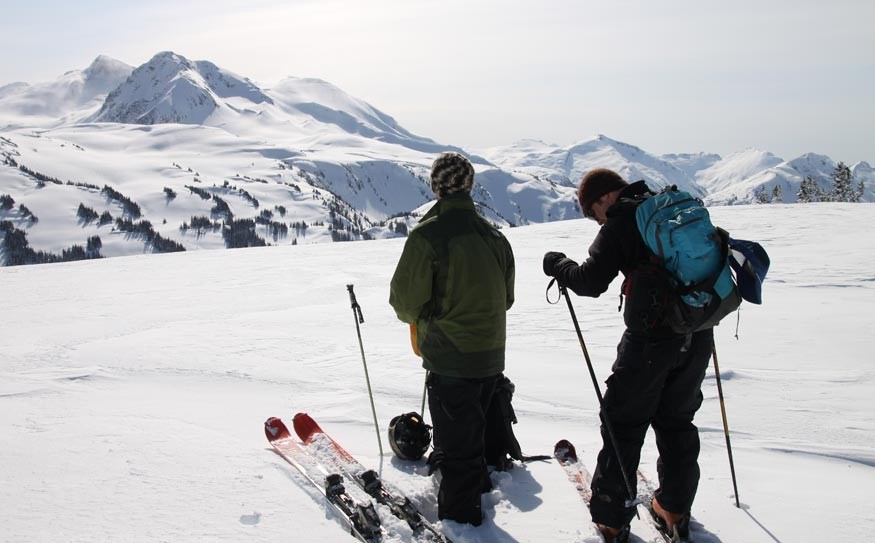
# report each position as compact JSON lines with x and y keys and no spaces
{"x":614,"y":535}
{"x":675,"y":525}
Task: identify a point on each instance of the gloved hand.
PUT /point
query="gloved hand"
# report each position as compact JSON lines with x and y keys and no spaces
{"x":413,"y":342}
{"x":551,"y":263}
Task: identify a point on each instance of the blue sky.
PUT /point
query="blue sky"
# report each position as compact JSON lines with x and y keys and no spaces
{"x":677,"y":76}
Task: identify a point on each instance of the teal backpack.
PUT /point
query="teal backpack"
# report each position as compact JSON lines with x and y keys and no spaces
{"x":692,"y":256}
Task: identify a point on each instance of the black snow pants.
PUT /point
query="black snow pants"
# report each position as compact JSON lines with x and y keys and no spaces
{"x":655,"y":382}
{"x":458,"y":415}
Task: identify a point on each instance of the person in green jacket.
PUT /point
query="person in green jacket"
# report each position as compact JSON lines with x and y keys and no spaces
{"x":454,"y":284}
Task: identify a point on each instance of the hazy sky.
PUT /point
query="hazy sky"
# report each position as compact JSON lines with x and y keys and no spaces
{"x":671,"y":76}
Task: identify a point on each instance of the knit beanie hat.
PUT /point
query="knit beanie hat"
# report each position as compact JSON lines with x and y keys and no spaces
{"x":451,"y":172}
{"x":595,"y":184}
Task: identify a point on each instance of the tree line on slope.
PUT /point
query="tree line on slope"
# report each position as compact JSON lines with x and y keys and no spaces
{"x":17,"y":250}
{"x":810,"y":191}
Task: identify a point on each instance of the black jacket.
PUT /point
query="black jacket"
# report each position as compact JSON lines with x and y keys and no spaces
{"x":618,"y":247}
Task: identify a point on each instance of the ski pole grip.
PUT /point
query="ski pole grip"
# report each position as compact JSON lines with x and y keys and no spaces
{"x":356,"y":308}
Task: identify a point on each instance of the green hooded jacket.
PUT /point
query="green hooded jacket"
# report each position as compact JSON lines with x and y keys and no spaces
{"x":455,"y":281}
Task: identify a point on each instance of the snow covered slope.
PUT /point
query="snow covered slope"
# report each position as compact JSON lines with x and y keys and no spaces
{"x":691,"y":163}
{"x":305,"y":160}
{"x":70,"y":98}
{"x":569,"y":164}
{"x":730,"y":189}
{"x":182,"y":141}
{"x":133,"y":390}
{"x":734,"y":169}
{"x":172,"y":89}
{"x":733,"y":179}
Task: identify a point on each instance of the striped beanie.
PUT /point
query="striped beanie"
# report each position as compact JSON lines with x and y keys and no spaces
{"x":451,"y":172}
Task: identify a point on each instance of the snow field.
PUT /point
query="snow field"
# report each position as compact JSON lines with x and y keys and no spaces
{"x":134,"y":389}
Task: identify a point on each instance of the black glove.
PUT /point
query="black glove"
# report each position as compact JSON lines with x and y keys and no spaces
{"x":551,"y":263}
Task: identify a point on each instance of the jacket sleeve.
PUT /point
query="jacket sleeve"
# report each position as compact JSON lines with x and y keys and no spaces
{"x":411,"y":286}
{"x":594,"y":276}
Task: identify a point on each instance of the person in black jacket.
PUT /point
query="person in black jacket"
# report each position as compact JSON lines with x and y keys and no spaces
{"x":657,"y":376}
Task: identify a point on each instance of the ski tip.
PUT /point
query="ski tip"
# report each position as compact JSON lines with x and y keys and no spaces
{"x":305,"y":427}
{"x":564,"y":451}
{"x":274,"y":429}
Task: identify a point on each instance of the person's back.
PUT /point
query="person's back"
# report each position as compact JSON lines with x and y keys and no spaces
{"x":657,"y":375}
{"x":461,"y":330}
{"x":453,"y":284}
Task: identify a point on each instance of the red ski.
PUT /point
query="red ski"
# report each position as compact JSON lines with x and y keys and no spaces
{"x":322,"y":445}
{"x":577,"y":473}
{"x":362,"y":520}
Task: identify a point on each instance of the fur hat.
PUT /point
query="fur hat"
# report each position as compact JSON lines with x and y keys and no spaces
{"x":450,"y":173}
{"x":595,"y":184}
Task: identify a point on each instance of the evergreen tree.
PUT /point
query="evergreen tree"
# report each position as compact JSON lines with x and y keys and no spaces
{"x":858,"y":194}
{"x":777,"y":195}
{"x":809,"y":191}
{"x":761,"y":196}
{"x":842,"y":181}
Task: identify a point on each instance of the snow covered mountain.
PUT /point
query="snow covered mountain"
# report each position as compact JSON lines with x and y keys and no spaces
{"x":177,"y":142}
{"x":566,"y":165}
{"x":789,"y":176}
{"x":70,"y":98}
{"x":691,"y":163}
{"x":172,"y":89}
{"x":865,"y":173}
{"x":185,"y":142}
{"x":734,"y":179}
{"x":734,"y":169}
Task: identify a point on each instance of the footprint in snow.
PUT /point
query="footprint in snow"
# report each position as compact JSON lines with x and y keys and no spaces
{"x":250,"y":520}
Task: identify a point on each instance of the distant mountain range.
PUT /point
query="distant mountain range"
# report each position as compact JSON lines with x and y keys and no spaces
{"x":719,"y":181}
{"x":303,"y":151}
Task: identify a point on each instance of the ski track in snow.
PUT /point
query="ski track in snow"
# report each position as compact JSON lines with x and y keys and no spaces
{"x":135,"y":388}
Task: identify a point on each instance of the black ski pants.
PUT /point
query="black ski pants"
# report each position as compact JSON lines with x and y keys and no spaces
{"x":458,"y":414}
{"x":655,"y":382}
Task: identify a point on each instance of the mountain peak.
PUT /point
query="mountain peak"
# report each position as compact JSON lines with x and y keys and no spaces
{"x":813,"y":159}
{"x":170,"y":56}
{"x":170,"y":88}
{"x":104,"y":63}
{"x":108,"y":70}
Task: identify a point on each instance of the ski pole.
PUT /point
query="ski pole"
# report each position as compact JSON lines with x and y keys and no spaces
{"x":602,"y":414}
{"x":424,"y":388}
{"x":725,"y":424}
{"x":359,"y":318}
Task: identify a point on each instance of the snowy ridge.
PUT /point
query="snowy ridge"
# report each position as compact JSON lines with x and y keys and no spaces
{"x":789,"y":175}
{"x":863,"y":171}
{"x":305,"y":160}
{"x":569,"y":164}
{"x":172,"y":89}
{"x":719,"y":181}
{"x":726,"y":172}
{"x":691,"y":163}
{"x":326,"y":103}
{"x":70,"y":98}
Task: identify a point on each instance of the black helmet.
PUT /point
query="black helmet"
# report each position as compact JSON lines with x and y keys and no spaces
{"x":409,"y":436}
